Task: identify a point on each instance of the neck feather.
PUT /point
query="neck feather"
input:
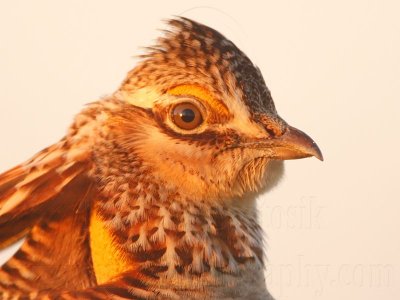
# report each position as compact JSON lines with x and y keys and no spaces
{"x":151,"y":226}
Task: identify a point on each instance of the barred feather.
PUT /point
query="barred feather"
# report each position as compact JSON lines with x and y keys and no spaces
{"x":132,"y":205}
{"x":26,"y":189}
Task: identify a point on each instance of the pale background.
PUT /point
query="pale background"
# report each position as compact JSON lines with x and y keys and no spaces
{"x":334,"y":72}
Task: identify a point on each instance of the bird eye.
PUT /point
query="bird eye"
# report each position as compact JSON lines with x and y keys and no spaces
{"x":187,"y":116}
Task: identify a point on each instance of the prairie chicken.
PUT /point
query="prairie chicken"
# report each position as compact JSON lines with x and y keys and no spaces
{"x":151,"y":193}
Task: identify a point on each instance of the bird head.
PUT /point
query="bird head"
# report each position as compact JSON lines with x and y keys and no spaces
{"x":207,"y":126}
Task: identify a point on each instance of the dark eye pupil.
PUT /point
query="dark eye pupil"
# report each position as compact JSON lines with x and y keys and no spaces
{"x":187,"y":115}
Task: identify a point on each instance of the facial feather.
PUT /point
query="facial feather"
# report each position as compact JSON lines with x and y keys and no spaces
{"x":152,"y":191}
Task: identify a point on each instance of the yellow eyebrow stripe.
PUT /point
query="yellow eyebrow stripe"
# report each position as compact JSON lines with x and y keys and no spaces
{"x":202,"y":94}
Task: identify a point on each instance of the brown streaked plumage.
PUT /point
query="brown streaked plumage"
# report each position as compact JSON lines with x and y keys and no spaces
{"x":136,"y":204}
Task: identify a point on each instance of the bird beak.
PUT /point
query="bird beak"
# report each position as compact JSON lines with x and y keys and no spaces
{"x":294,"y":144}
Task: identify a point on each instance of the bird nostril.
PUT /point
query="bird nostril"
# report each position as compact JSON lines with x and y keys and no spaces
{"x":273,"y":127}
{"x":272,"y":130}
